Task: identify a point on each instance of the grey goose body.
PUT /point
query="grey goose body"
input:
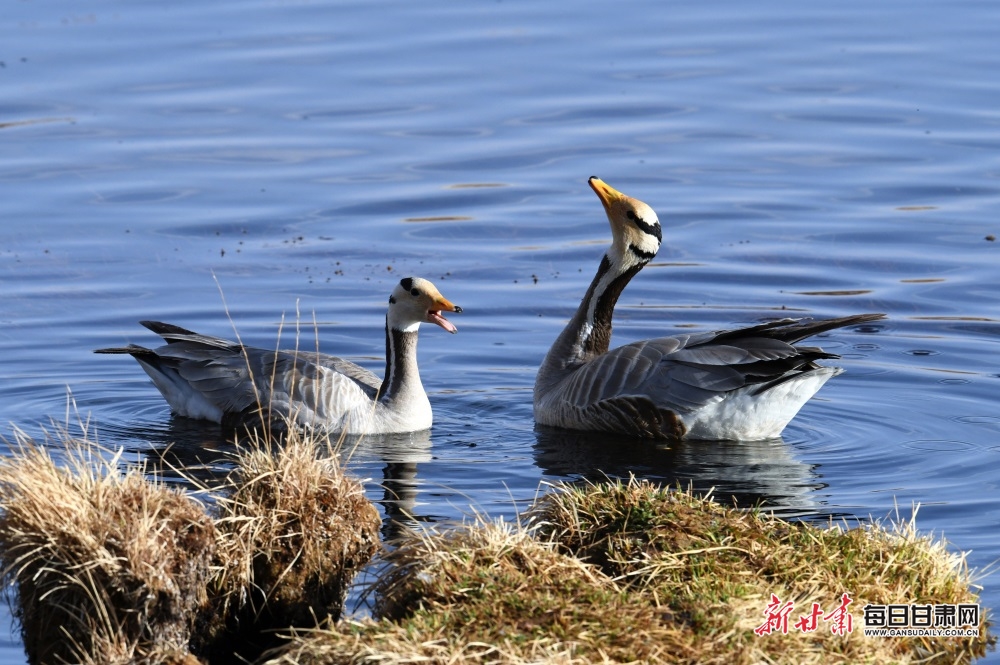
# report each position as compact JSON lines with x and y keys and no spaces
{"x":742,"y":384}
{"x":226,"y":382}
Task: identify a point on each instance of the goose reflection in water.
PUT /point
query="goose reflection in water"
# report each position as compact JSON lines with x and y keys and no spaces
{"x":186,"y":449}
{"x":751,"y":473}
{"x":399,"y":454}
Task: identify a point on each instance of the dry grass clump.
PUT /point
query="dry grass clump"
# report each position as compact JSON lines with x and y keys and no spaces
{"x":715,"y":568}
{"x":634,"y":573}
{"x":492,"y":594}
{"x":107,"y":567}
{"x":293,"y":531}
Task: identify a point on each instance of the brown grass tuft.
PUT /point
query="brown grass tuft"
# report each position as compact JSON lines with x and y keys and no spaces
{"x":109,"y":566}
{"x":492,"y":594}
{"x":629,"y":572}
{"x":294,"y":530}
{"x":106,"y":566}
{"x":715,"y":568}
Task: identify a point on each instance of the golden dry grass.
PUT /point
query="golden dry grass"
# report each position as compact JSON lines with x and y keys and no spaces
{"x":491,"y":593}
{"x":293,"y":532}
{"x":715,"y":568}
{"x":628,"y":572}
{"x":106,"y":566}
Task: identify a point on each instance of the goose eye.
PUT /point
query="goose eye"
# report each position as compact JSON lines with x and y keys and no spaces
{"x":630,"y":214}
{"x":414,"y":292}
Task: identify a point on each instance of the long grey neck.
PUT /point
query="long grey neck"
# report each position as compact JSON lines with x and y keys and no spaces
{"x":588,"y":333}
{"x":402,"y":377}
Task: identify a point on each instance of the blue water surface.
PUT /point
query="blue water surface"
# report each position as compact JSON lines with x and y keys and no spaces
{"x":278,"y":165}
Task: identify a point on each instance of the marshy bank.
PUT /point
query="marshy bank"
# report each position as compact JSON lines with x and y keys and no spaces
{"x":109,"y":565}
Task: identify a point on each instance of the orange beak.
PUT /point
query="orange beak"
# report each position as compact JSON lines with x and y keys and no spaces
{"x":604,"y":191}
{"x":434,"y":315}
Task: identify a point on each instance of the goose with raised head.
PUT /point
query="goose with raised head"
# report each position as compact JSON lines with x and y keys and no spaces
{"x":226,"y":382}
{"x":743,"y":384}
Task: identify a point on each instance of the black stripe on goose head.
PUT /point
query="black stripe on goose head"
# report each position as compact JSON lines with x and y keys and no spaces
{"x":650,"y":229}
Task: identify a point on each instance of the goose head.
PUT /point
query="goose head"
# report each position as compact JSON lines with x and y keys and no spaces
{"x":635,"y":228}
{"x":415,"y":301}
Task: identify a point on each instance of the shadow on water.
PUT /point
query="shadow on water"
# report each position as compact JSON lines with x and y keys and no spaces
{"x":749,"y":473}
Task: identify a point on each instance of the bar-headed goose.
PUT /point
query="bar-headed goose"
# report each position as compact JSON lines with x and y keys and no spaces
{"x":226,"y":382}
{"x":731,"y":384}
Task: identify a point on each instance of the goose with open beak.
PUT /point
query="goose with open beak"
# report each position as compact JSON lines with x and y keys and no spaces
{"x":235,"y":385}
{"x":743,"y":384}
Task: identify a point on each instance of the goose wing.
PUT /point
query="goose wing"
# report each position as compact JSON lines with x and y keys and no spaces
{"x":664,"y":378}
{"x":239,"y":380}
{"x":678,"y":373}
{"x":314,"y":388}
